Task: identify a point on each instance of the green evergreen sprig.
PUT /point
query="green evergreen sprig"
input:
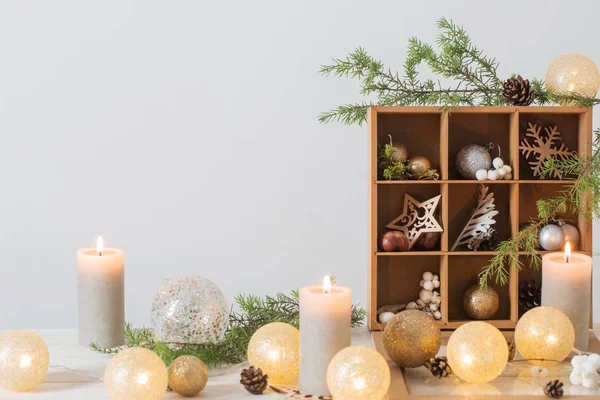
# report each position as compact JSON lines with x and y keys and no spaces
{"x":581,"y":197}
{"x":476,"y":81}
{"x":254,"y":312}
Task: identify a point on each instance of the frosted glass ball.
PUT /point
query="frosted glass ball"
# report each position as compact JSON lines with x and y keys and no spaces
{"x":545,"y":336}
{"x":190,"y":310}
{"x":24,"y":360}
{"x":477,"y":352}
{"x":188,"y":375}
{"x":136,"y":374}
{"x":573,"y":73}
{"x":275,"y":348}
{"x":358,"y":373}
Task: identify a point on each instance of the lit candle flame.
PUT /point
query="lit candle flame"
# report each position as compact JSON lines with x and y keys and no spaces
{"x":99,"y":245}
{"x":567,"y":252}
{"x":327,"y":284}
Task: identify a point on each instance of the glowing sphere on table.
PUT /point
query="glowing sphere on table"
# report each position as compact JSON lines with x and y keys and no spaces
{"x":24,"y":360}
{"x":358,"y":373}
{"x":136,"y":374}
{"x":573,"y":73}
{"x":545,"y":336}
{"x":275,"y":348}
{"x":477,"y":352}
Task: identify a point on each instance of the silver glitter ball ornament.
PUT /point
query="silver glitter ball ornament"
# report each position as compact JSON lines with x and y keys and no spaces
{"x":189,"y":310}
{"x":471,"y":159}
{"x":551,"y":237}
{"x":571,"y":234}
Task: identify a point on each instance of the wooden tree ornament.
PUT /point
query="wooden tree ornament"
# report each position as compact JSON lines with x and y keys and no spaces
{"x":417,"y":218}
{"x":543,"y":147}
{"x":481,"y":219}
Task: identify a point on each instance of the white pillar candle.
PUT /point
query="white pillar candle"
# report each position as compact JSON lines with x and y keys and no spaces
{"x":325,"y":316}
{"x":100,"y":292}
{"x":566,"y":285}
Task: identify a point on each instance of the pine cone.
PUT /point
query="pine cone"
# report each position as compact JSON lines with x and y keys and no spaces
{"x":530,"y":295}
{"x":554,"y":389}
{"x":439,"y":367}
{"x":517,"y":91}
{"x":253,"y":380}
{"x":512,"y":348}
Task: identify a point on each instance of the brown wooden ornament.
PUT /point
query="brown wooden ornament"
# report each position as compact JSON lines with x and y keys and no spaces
{"x":543,"y":147}
{"x":417,"y":218}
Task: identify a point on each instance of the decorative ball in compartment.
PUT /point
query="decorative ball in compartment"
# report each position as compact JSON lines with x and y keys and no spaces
{"x":417,"y":166}
{"x":399,"y":152}
{"x":275,"y":348}
{"x":428,"y":240}
{"x":477,"y":352}
{"x":481,"y":303}
{"x":551,"y":237}
{"x":571,"y":233}
{"x":573,"y":73}
{"x":187,"y":375}
{"x":136,"y":374}
{"x":190,"y":310}
{"x":357,"y":373}
{"x":393,"y":241}
{"x":411,"y":338}
{"x":471,"y":159}
{"x":24,"y":360}
{"x":544,"y":336}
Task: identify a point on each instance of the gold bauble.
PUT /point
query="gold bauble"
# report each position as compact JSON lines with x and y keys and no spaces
{"x":480,"y":303}
{"x":411,"y":338}
{"x":399,"y":152}
{"x":24,"y":360}
{"x":188,"y":375}
{"x":275,"y":348}
{"x":417,"y":166}
{"x":544,"y":336}
{"x":573,"y":73}
{"x":477,"y":352}
{"x":136,"y":374}
{"x":358,"y":373}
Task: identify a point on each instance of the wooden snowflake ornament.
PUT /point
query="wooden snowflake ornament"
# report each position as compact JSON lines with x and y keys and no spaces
{"x":481,"y":219}
{"x":543,"y":147}
{"x":417,"y":218}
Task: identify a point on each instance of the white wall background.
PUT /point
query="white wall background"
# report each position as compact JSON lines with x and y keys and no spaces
{"x":186,"y":132}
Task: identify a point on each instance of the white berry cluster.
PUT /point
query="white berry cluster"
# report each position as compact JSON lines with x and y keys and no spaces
{"x":499,"y":172}
{"x":429,"y":298}
{"x":586,"y":371}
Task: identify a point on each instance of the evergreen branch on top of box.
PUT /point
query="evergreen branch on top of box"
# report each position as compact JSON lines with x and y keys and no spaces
{"x":458,"y":59}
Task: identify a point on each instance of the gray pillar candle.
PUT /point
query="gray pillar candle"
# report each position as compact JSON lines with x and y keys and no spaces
{"x":100,"y":295}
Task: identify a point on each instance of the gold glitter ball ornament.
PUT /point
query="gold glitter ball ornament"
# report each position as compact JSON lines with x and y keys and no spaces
{"x":573,"y":73}
{"x":418,"y":165}
{"x":187,"y":375}
{"x":411,"y":338}
{"x":544,"y":336}
{"x":477,"y":352}
{"x":275,"y":349}
{"x":136,"y":374}
{"x":358,"y":373}
{"x":480,"y":303}
{"x":24,"y":360}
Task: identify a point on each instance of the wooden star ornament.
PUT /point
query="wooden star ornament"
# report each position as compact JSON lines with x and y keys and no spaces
{"x":417,"y":218}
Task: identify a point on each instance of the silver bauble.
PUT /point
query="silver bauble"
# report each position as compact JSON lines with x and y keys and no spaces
{"x":471,"y":159}
{"x":551,"y":237}
{"x":571,"y":234}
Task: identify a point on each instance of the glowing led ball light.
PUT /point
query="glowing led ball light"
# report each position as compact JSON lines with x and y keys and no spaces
{"x":477,"y":352}
{"x":544,"y":336}
{"x":24,"y":360}
{"x":275,"y":348}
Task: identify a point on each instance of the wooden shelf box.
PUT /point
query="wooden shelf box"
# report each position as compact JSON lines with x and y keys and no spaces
{"x":394,"y":277}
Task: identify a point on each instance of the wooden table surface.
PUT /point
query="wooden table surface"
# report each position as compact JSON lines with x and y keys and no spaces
{"x":76,"y":373}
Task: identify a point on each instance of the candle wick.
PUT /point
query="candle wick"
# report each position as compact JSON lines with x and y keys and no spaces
{"x":99,"y":253}
{"x":567,"y":259}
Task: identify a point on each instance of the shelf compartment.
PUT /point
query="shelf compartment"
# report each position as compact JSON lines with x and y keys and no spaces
{"x":390,"y":205}
{"x":463,"y":199}
{"x":481,"y":129}
{"x":463,"y":273}
{"x":568,"y":126}
{"x":420,"y":133}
